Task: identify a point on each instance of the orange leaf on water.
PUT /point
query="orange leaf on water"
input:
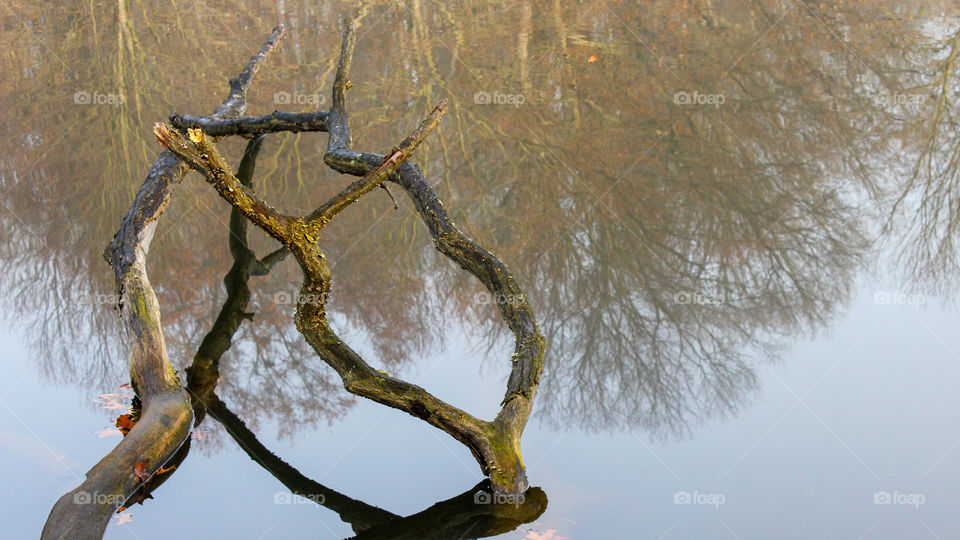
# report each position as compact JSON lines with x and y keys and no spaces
{"x":592,"y":58}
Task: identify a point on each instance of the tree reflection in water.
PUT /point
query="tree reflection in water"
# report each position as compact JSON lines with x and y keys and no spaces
{"x":668,"y":248}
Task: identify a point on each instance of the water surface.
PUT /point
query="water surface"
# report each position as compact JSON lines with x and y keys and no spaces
{"x":734,"y":221}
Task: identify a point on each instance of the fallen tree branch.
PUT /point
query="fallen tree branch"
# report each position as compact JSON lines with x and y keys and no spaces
{"x":251,"y":126}
{"x":164,"y":423}
{"x":495,"y":444}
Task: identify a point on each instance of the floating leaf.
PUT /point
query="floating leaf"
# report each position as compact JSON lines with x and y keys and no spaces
{"x":592,"y":59}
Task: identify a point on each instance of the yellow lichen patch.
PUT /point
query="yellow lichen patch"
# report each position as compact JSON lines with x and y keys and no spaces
{"x":195,"y":134}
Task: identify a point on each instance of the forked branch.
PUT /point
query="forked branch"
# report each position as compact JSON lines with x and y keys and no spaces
{"x":495,"y":444}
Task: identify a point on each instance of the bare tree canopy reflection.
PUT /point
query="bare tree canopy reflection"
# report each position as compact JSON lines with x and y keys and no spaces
{"x":674,"y":216}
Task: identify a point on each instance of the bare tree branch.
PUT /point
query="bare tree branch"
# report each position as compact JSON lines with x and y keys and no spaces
{"x":374,"y":178}
{"x":249,"y":126}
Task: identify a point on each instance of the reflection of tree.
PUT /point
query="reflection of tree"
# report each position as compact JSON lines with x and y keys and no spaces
{"x":927,"y":203}
{"x":750,"y":201}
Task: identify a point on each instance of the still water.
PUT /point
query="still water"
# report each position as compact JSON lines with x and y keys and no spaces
{"x":735,"y":222}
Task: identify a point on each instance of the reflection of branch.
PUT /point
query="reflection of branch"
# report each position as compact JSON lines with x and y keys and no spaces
{"x":165,"y":421}
{"x":463,"y":517}
{"x":263,"y":266}
{"x":459,"y":517}
{"x":360,"y":515}
{"x":204,"y":372}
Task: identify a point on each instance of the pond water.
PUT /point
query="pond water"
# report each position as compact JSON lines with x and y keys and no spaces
{"x":735,"y":223}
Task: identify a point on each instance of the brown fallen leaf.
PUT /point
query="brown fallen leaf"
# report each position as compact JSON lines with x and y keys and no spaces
{"x":140,"y":469}
{"x":125,"y":423}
